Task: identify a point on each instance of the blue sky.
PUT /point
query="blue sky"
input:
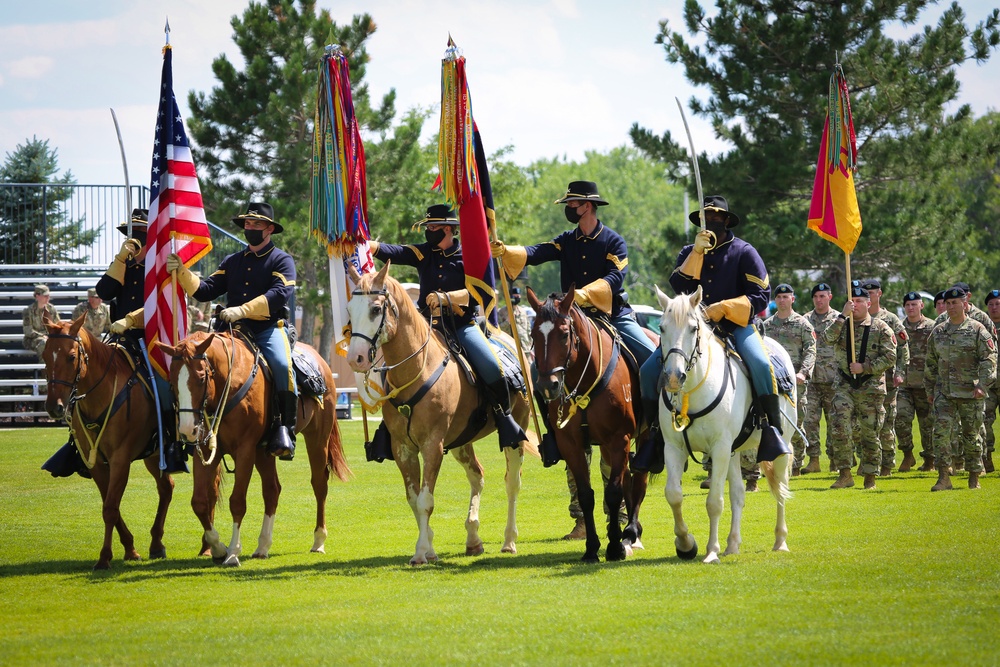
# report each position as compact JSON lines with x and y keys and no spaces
{"x":550,"y":77}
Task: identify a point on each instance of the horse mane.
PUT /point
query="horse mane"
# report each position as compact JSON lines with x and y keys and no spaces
{"x":101,"y":354}
{"x":548,"y":310}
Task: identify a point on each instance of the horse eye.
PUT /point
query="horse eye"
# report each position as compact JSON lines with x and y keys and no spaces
{"x":376,"y":311}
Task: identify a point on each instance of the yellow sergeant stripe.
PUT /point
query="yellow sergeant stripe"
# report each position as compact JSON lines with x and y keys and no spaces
{"x":619,"y":263}
{"x":761,"y":282}
{"x":416,"y":251}
{"x":219,"y":272}
{"x":284,"y":281}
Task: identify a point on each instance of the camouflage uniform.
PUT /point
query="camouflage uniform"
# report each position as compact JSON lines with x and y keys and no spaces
{"x":523,"y":328}
{"x":98,"y":319}
{"x":824,"y":377}
{"x":960,"y":358}
{"x":912,"y":400}
{"x":196,"y":309}
{"x":861,"y":398}
{"x":35,"y":333}
{"x":575,"y":511}
{"x":887,"y":434}
{"x":992,"y":404}
{"x":796,"y":335}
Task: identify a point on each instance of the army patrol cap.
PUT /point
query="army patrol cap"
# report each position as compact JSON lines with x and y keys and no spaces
{"x":857,"y":290}
{"x":954,"y":293}
{"x":912,"y":296}
{"x":872,"y":283}
{"x":784,"y":288}
{"x":992,"y":294}
{"x":92,"y":292}
{"x":821,"y":287}
{"x":41,"y":290}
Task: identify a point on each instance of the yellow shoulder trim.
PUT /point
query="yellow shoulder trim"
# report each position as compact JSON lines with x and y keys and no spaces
{"x":219,"y":272}
{"x":619,"y":263}
{"x":760,"y":282}
{"x":284,"y":281}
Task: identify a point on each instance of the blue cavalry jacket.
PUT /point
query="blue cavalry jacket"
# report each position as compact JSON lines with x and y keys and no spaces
{"x":439,"y":270}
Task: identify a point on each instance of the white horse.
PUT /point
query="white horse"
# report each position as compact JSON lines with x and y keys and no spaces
{"x":711,"y":390}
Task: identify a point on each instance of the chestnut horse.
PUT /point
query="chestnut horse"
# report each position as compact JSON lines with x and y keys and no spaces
{"x":216,"y":372}
{"x":592,"y":396}
{"x":113,"y":419}
{"x":383,"y":317}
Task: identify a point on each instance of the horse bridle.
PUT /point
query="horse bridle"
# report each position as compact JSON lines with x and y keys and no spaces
{"x":80,"y":360}
{"x":573,"y":347}
{"x":373,"y":341}
{"x":695,"y":353}
{"x":201,"y":414}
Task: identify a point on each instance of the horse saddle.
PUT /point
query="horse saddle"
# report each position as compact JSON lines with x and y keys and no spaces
{"x":308,"y":376}
{"x":509,"y":366}
{"x":784,"y":380}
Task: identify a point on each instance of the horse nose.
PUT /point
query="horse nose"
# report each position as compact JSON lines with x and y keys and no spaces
{"x":55,"y":407}
{"x":549,"y":386}
{"x":672,"y":381}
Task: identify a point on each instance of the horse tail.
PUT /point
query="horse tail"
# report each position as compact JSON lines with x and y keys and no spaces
{"x":777,"y":480}
{"x":335,"y":461}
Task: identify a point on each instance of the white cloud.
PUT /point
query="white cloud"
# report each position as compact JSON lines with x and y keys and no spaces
{"x":32,"y":67}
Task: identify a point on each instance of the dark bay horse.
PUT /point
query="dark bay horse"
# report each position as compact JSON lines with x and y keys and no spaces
{"x":213,"y":373}
{"x":384,"y":318}
{"x":592,"y":397}
{"x":113,"y":419}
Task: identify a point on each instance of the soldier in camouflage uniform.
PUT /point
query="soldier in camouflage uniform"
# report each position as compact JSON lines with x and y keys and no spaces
{"x":520,"y":320}
{"x":794,"y":333}
{"x":859,"y":394}
{"x":33,"y":318}
{"x":961,"y":364}
{"x":992,"y":402}
{"x":912,"y":400}
{"x":824,"y":376}
{"x":893,"y":376}
{"x":98,"y":316}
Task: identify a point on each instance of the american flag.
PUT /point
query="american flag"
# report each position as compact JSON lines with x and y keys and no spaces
{"x":176,"y":223}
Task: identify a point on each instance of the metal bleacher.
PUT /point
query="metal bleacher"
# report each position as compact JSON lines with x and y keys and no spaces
{"x":22,"y":375}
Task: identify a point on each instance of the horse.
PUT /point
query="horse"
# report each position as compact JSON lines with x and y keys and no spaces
{"x":703,"y":403}
{"x":222,"y":408}
{"x":592,"y":395}
{"x":113,"y":420}
{"x":428,"y":408}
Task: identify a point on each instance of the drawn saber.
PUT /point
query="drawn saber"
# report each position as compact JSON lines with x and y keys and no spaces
{"x":128,"y":187}
{"x":697,"y":172}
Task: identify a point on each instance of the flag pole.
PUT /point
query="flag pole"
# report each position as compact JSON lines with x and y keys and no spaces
{"x":850,"y":323}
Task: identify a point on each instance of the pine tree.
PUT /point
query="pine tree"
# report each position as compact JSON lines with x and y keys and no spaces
{"x":767,"y":66}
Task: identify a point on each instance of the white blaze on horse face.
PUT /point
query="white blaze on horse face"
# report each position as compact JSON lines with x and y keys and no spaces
{"x":546,"y":328}
{"x":185,"y":418}
{"x":357,"y":352}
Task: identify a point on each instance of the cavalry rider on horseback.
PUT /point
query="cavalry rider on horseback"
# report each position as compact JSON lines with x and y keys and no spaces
{"x":735,"y":286}
{"x":443,"y":288}
{"x":122,"y":286}
{"x":592,"y":257}
{"x":258,"y":282}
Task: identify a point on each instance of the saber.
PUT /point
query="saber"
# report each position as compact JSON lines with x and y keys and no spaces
{"x":697,"y":170}
{"x":128,"y":188}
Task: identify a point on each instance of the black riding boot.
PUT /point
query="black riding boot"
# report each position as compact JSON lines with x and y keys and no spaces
{"x":380,"y":447}
{"x":548,"y":448}
{"x":649,"y":455}
{"x":771,"y":444}
{"x":281,"y":442}
{"x":175,"y":456}
{"x":509,"y":431}
{"x":66,"y":461}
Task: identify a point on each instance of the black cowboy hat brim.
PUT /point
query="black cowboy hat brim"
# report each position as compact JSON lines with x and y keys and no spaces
{"x":238,"y":221}
{"x":597,"y":201}
{"x":731,"y":222}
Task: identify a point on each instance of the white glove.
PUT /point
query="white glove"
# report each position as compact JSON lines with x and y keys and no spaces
{"x":130,"y":248}
{"x":174,"y":262}
{"x":119,"y":327}
{"x":233,"y":314}
{"x":705,"y":240}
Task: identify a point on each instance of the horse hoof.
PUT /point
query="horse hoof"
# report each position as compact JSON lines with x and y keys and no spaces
{"x":231,"y":560}
{"x":590,"y":558}
{"x":508,"y":549}
{"x":781,"y":546}
{"x":102,"y":565}
{"x":712,"y":559}
{"x":132,"y":555}
{"x":159,"y":553}
{"x":628,"y":550}
{"x":261,"y":555}
{"x":688,"y":554}
{"x":637,"y":544}
{"x":205,"y":552}
{"x":318,"y":550}
{"x":475,"y":550}
{"x":218,"y":560}
{"x":615,"y":553}
{"x":418,"y":561}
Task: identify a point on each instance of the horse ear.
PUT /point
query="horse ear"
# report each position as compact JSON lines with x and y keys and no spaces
{"x":74,"y":329}
{"x":533,"y":299}
{"x":202,"y":347}
{"x":380,"y":277}
{"x":567,"y":301}
{"x":168,"y":350}
{"x":53,"y":327}
{"x":696,"y":297}
{"x":661,"y":297}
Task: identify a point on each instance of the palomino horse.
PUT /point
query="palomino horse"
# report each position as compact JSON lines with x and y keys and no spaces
{"x":383,"y":317}
{"x":113,"y":418}
{"x":592,"y":395}
{"x":222,"y":408}
{"x":710,"y":401}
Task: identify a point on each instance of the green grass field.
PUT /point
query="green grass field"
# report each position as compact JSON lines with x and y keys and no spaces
{"x":894,"y":576}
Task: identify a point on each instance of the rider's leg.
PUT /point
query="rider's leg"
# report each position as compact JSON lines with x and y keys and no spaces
{"x":273,"y":343}
{"x":649,"y":453}
{"x":482,"y":357}
{"x":174,"y":453}
{"x":750,"y":346}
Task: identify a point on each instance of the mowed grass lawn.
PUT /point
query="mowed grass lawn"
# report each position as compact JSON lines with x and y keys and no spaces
{"x":894,"y":576}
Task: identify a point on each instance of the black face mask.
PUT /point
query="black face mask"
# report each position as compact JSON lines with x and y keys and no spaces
{"x":572,"y":215}
{"x":140,"y":237}
{"x":254,"y":236}
{"x":434,"y":237}
{"x":720,"y":229}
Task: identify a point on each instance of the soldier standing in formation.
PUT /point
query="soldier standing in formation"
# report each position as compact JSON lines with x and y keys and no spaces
{"x":794,"y":333}
{"x":912,"y":400}
{"x":893,"y":376}
{"x":824,"y":376}
{"x":993,"y":310}
{"x":33,"y":318}
{"x":961,"y":364}
{"x":98,"y":316}
{"x":859,"y":394}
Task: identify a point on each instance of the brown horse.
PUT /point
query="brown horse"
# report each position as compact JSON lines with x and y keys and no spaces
{"x":215,"y":373}
{"x":113,"y":419}
{"x":591,"y":394}
{"x":383,"y":317}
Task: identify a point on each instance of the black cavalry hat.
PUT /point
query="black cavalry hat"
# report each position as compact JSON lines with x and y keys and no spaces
{"x":582,"y":191}
{"x":259,"y":211}
{"x":441,"y":214}
{"x":140,"y":221}
{"x":716,"y":203}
